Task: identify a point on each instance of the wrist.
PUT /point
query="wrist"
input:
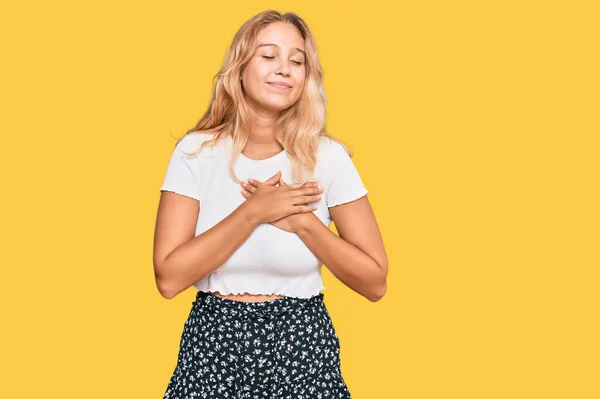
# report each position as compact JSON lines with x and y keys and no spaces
{"x":305,"y":224}
{"x":249,"y":214}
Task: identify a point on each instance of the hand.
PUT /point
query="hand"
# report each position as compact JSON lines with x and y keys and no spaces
{"x":289,"y":223}
{"x":269,"y":202}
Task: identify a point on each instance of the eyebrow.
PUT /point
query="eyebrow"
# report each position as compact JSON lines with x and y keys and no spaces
{"x":273,"y":44}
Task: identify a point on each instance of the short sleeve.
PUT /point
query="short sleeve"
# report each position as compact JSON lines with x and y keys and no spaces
{"x":342,"y":183}
{"x":183,"y":174}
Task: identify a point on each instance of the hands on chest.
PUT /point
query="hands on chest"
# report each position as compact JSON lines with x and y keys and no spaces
{"x":283,"y":205}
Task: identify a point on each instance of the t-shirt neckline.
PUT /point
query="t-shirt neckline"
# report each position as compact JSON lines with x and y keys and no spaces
{"x":258,"y":162}
{"x":262,"y":161}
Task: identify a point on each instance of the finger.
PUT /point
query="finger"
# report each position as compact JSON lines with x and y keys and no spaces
{"x":274,"y":179}
{"x":249,"y":187}
{"x":294,"y":185}
{"x":303,"y":184}
{"x":308,"y":189}
{"x":306,"y":199}
{"x":251,"y":184}
{"x":305,"y":208}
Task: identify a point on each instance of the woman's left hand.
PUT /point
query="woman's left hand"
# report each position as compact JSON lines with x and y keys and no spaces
{"x":289,"y":223}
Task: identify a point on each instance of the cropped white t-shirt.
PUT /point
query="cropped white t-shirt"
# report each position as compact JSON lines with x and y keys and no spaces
{"x":271,"y":260}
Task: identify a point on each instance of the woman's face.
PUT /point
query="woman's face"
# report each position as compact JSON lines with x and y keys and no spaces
{"x":278,"y":58}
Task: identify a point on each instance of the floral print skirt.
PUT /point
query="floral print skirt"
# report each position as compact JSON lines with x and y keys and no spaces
{"x":276,"y":349}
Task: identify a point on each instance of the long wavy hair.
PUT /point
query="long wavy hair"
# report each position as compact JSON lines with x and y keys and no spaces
{"x":299,"y":127}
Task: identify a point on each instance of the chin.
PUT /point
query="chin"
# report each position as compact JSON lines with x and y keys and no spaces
{"x":278,"y":106}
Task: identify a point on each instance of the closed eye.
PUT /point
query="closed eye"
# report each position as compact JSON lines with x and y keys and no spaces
{"x":270,"y":58}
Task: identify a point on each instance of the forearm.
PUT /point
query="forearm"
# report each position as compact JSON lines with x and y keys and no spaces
{"x":205,"y":253}
{"x":346,"y":262}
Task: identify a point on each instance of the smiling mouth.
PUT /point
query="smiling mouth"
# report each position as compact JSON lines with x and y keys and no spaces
{"x":279,"y":86}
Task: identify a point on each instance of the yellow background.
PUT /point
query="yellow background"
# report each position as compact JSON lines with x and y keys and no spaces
{"x":474,"y":125}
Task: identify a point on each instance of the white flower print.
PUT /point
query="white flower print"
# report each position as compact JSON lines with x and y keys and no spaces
{"x":284,"y":349}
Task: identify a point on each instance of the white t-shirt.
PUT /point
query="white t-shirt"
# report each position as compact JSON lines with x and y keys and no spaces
{"x":271,"y":260}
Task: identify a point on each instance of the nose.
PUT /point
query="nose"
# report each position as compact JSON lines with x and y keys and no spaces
{"x":283,"y":68}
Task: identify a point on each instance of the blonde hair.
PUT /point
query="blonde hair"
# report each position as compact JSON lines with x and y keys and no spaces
{"x":299,"y":128}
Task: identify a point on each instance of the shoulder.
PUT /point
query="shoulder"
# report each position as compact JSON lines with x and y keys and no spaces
{"x":191,"y":142}
{"x":331,"y":149}
{"x":327,"y":144}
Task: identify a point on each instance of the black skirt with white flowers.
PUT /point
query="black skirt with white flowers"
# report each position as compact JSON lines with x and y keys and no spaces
{"x":276,"y":349}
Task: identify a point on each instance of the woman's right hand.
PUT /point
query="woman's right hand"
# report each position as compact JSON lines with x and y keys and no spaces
{"x":270,"y":202}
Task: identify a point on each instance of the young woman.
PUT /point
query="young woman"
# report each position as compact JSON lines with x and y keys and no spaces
{"x":243,"y":217}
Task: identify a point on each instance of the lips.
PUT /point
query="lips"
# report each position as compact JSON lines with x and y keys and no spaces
{"x":280,"y":85}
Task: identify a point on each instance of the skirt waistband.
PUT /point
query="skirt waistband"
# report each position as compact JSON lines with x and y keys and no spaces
{"x":263,"y":309}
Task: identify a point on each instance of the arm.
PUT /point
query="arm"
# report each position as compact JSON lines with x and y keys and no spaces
{"x":357,"y":257}
{"x":180,"y":259}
